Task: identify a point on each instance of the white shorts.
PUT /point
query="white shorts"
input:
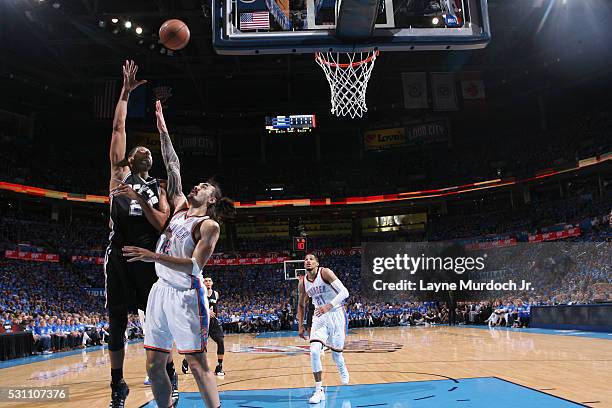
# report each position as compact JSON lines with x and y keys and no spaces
{"x":176,"y":314}
{"x":330,"y":329}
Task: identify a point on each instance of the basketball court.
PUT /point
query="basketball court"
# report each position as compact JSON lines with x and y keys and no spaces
{"x":390,"y":367}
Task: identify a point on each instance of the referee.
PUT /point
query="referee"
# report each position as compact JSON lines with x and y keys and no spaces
{"x":215,"y":330}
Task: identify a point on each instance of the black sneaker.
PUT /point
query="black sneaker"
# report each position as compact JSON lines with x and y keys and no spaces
{"x":219,"y":371}
{"x":185,"y":366}
{"x":175,"y":391}
{"x":119,"y":393}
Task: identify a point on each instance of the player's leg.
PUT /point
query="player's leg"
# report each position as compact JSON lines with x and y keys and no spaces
{"x":319,"y":334}
{"x":141,"y":317}
{"x":115,"y":275}
{"x":204,"y":378}
{"x":216,"y":333}
{"x":144,"y":277}
{"x":190,"y":334}
{"x":158,"y":343}
{"x":336,"y":342}
{"x":160,"y":383}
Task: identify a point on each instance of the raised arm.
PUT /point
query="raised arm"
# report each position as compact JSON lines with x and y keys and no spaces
{"x":176,"y":198}
{"x":118,"y":140}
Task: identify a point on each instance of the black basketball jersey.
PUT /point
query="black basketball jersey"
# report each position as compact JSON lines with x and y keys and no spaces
{"x":213,"y":298}
{"x":129,"y":226}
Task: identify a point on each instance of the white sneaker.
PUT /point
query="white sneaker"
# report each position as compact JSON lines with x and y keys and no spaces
{"x":147,"y":381}
{"x":344,"y":375}
{"x":317,"y":397}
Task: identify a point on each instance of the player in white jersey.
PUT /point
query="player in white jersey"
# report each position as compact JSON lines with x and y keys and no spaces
{"x":177,"y":309}
{"x":329,"y":323}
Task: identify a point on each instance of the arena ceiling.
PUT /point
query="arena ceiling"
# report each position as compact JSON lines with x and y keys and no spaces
{"x":537,"y":44}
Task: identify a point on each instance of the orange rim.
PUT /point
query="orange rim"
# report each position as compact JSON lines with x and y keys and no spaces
{"x":353,"y":64}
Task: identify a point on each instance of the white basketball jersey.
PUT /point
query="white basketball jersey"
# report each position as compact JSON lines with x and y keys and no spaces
{"x":320,"y":291}
{"x":178,"y":241}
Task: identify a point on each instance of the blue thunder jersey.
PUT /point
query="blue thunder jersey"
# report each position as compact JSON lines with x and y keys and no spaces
{"x":129,"y":226}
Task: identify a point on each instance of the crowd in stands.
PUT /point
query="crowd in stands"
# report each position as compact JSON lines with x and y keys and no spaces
{"x":52,"y":301}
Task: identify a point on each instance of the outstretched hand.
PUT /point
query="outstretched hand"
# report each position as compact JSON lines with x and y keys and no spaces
{"x":129,"y":76}
{"x":138,"y":254}
{"x":124,"y":190}
{"x":161,"y":122}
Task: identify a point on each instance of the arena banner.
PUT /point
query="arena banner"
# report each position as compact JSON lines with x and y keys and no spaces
{"x":556,"y":235}
{"x":500,"y":243}
{"x":381,"y":139}
{"x":428,"y":134}
{"x":247,"y":261}
{"x":31,"y":256}
{"x":100,"y":292}
{"x":80,"y":259}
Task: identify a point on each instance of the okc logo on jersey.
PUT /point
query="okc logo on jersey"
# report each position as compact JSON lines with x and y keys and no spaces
{"x":316,"y":290}
{"x":182,"y":233}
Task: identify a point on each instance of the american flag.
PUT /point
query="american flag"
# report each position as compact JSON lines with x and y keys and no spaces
{"x":255,"y":21}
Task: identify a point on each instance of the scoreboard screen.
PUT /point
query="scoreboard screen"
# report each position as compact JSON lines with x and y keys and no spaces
{"x":290,"y":124}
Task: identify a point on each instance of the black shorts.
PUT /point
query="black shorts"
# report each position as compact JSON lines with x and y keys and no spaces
{"x":215,"y":330}
{"x":127,"y":284}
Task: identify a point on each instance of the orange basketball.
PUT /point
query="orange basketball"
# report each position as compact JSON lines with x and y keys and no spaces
{"x":174,"y":34}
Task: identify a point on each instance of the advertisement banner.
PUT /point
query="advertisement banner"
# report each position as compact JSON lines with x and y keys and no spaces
{"x":31,"y":256}
{"x":554,"y":236}
{"x":384,"y":138}
{"x":426,"y":134}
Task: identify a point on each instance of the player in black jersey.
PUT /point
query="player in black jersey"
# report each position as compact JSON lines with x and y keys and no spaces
{"x":139,"y":211}
{"x":215,"y":330}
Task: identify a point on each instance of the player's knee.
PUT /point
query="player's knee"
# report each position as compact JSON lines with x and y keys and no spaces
{"x":315,"y":356}
{"x":117,"y":323}
{"x":338,"y":357}
{"x":221,"y":348}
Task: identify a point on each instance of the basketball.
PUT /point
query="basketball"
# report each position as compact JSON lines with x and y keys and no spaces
{"x":174,"y":34}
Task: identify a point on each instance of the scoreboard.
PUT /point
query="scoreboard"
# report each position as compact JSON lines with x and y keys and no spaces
{"x":290,"y":124}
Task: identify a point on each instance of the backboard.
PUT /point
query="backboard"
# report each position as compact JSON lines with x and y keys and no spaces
{"x":293,"y":269}
{"x":248,"y":27}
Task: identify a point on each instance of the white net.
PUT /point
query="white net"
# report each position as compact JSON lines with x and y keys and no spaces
{"x":348,"y":75}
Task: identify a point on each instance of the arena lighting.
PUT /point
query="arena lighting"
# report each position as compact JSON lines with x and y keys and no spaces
{"x":114,"y":20}
{"x":56,"y":5}
{"x":128,"y":24}
{"x":276,"y":189}
{"x":435,"y":21}
{"x":101,"y":24}
{"x":139,"y":30}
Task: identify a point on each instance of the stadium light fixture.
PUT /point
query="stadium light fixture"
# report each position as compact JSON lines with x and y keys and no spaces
{"x":128,"y":24}
{"x":114,"y":20}
{"x":138,"y":30}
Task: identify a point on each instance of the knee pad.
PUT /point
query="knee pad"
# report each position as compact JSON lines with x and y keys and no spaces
{"x":117,"y":323}
{"x":315,"y":356}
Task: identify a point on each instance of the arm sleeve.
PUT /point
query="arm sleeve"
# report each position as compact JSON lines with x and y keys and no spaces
{"x":341,"y":292}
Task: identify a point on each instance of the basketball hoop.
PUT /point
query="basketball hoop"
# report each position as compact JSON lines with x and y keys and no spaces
{"x":348,"y":75}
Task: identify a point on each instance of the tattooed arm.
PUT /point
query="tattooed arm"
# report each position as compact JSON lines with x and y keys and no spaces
{"x":174,"y":190}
